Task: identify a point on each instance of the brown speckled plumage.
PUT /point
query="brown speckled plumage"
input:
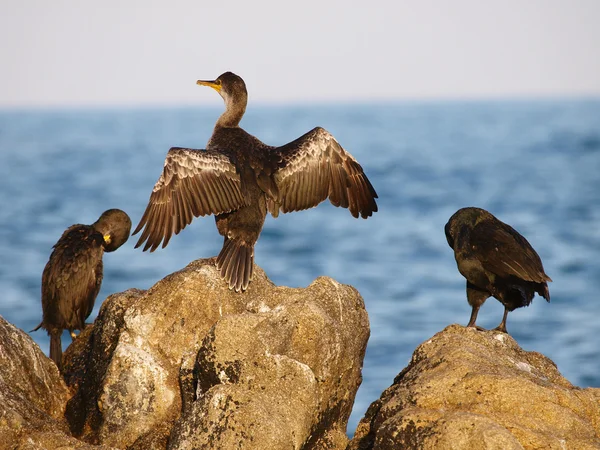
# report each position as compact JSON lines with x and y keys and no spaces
{"x":496,"y":261}
{"x":239,"y":179}
{"x":73,"y":275}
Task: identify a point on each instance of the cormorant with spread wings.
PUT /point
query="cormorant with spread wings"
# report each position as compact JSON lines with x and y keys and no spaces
{"x":496,"y":261}
{"x":239,"y":179}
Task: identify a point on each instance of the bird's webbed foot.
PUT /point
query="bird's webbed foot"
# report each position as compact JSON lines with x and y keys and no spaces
{"x":477,"y":327}
{"x":501,"y":328}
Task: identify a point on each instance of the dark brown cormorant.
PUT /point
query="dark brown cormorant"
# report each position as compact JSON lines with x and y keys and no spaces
{"x":496,"y":260}
{"x":239,"y":179}
{"x":73,"y":275}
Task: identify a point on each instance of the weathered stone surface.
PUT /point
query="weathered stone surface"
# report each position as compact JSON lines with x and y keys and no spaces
{"x":85,"y":363}
{"x":467,"y":389}
{"x":273,"y":367}
{"x":32,"y":396}
{"x":189,"y":364}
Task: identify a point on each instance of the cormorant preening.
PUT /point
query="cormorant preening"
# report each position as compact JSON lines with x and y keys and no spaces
{"x":239,"y":179}
{"x":73,"y":275}
{"x":496,"y":260}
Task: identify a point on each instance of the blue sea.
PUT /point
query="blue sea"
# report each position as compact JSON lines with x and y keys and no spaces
{"x":533,"y":164}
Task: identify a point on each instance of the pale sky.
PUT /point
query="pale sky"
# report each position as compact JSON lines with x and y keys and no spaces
{"x":59,"y":52}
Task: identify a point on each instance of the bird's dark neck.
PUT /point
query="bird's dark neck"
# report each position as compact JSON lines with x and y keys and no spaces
{"x":234,"y":111}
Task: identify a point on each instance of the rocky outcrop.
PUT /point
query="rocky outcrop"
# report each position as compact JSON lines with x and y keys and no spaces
{"x":467,"y":389}
{"x":191,"y":364}
{"x":32,"y":396}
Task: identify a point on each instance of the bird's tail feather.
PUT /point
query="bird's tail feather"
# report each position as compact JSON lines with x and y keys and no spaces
{"x":235,"y":263}
{"x":519,"y":296}
{"x":56,"y":348}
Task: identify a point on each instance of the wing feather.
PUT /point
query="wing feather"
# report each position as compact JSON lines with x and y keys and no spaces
{"x":201,"y":197}
{"x":193,"y":183}
{"x":315,"y":167}
{"x":227,"y":190}
{"x":505,"y":252}
{"x":72,"y":277}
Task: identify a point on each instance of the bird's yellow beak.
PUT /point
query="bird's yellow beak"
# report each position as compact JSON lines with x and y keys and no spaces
{"x":107,"y":238}
{"x":216,"y":85}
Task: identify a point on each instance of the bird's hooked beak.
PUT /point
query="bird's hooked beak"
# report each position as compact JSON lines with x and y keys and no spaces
{"x":107,"y":238}
{"x":215,"y":84}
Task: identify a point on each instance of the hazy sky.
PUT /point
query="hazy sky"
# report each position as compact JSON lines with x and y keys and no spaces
{"x":151,"y":52}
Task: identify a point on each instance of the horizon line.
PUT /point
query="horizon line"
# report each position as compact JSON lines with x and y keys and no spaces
{"x":373,"y":101}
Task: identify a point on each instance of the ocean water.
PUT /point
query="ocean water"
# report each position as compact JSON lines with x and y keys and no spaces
{"x":534,"y":164}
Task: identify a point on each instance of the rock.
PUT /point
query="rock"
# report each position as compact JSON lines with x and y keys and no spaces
{"x":191,"y":364}
{"x":467,"y":389}
{"x":32,"y":396}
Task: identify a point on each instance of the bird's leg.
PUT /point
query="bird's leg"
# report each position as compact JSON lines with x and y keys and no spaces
{"x":473,"y":318}
{"x":73,"y":335}
{"x":502,"y":326}
{"x":476,"y":297}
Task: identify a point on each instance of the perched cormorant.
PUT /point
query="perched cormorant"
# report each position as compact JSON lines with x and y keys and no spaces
{"x":239,"y":179}
{"x":496,"y":260}
{"x":73,"y":275}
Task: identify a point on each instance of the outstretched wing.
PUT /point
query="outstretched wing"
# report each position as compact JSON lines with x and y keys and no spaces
{"x":503,"y":251}
{"x":315,"y":167}
{"x":193,"y":183}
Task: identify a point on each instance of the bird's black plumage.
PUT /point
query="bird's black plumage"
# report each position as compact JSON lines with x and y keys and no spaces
{"x":496,"y":261}
{"x":72,"y":277}
{"x":239,"y":179}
